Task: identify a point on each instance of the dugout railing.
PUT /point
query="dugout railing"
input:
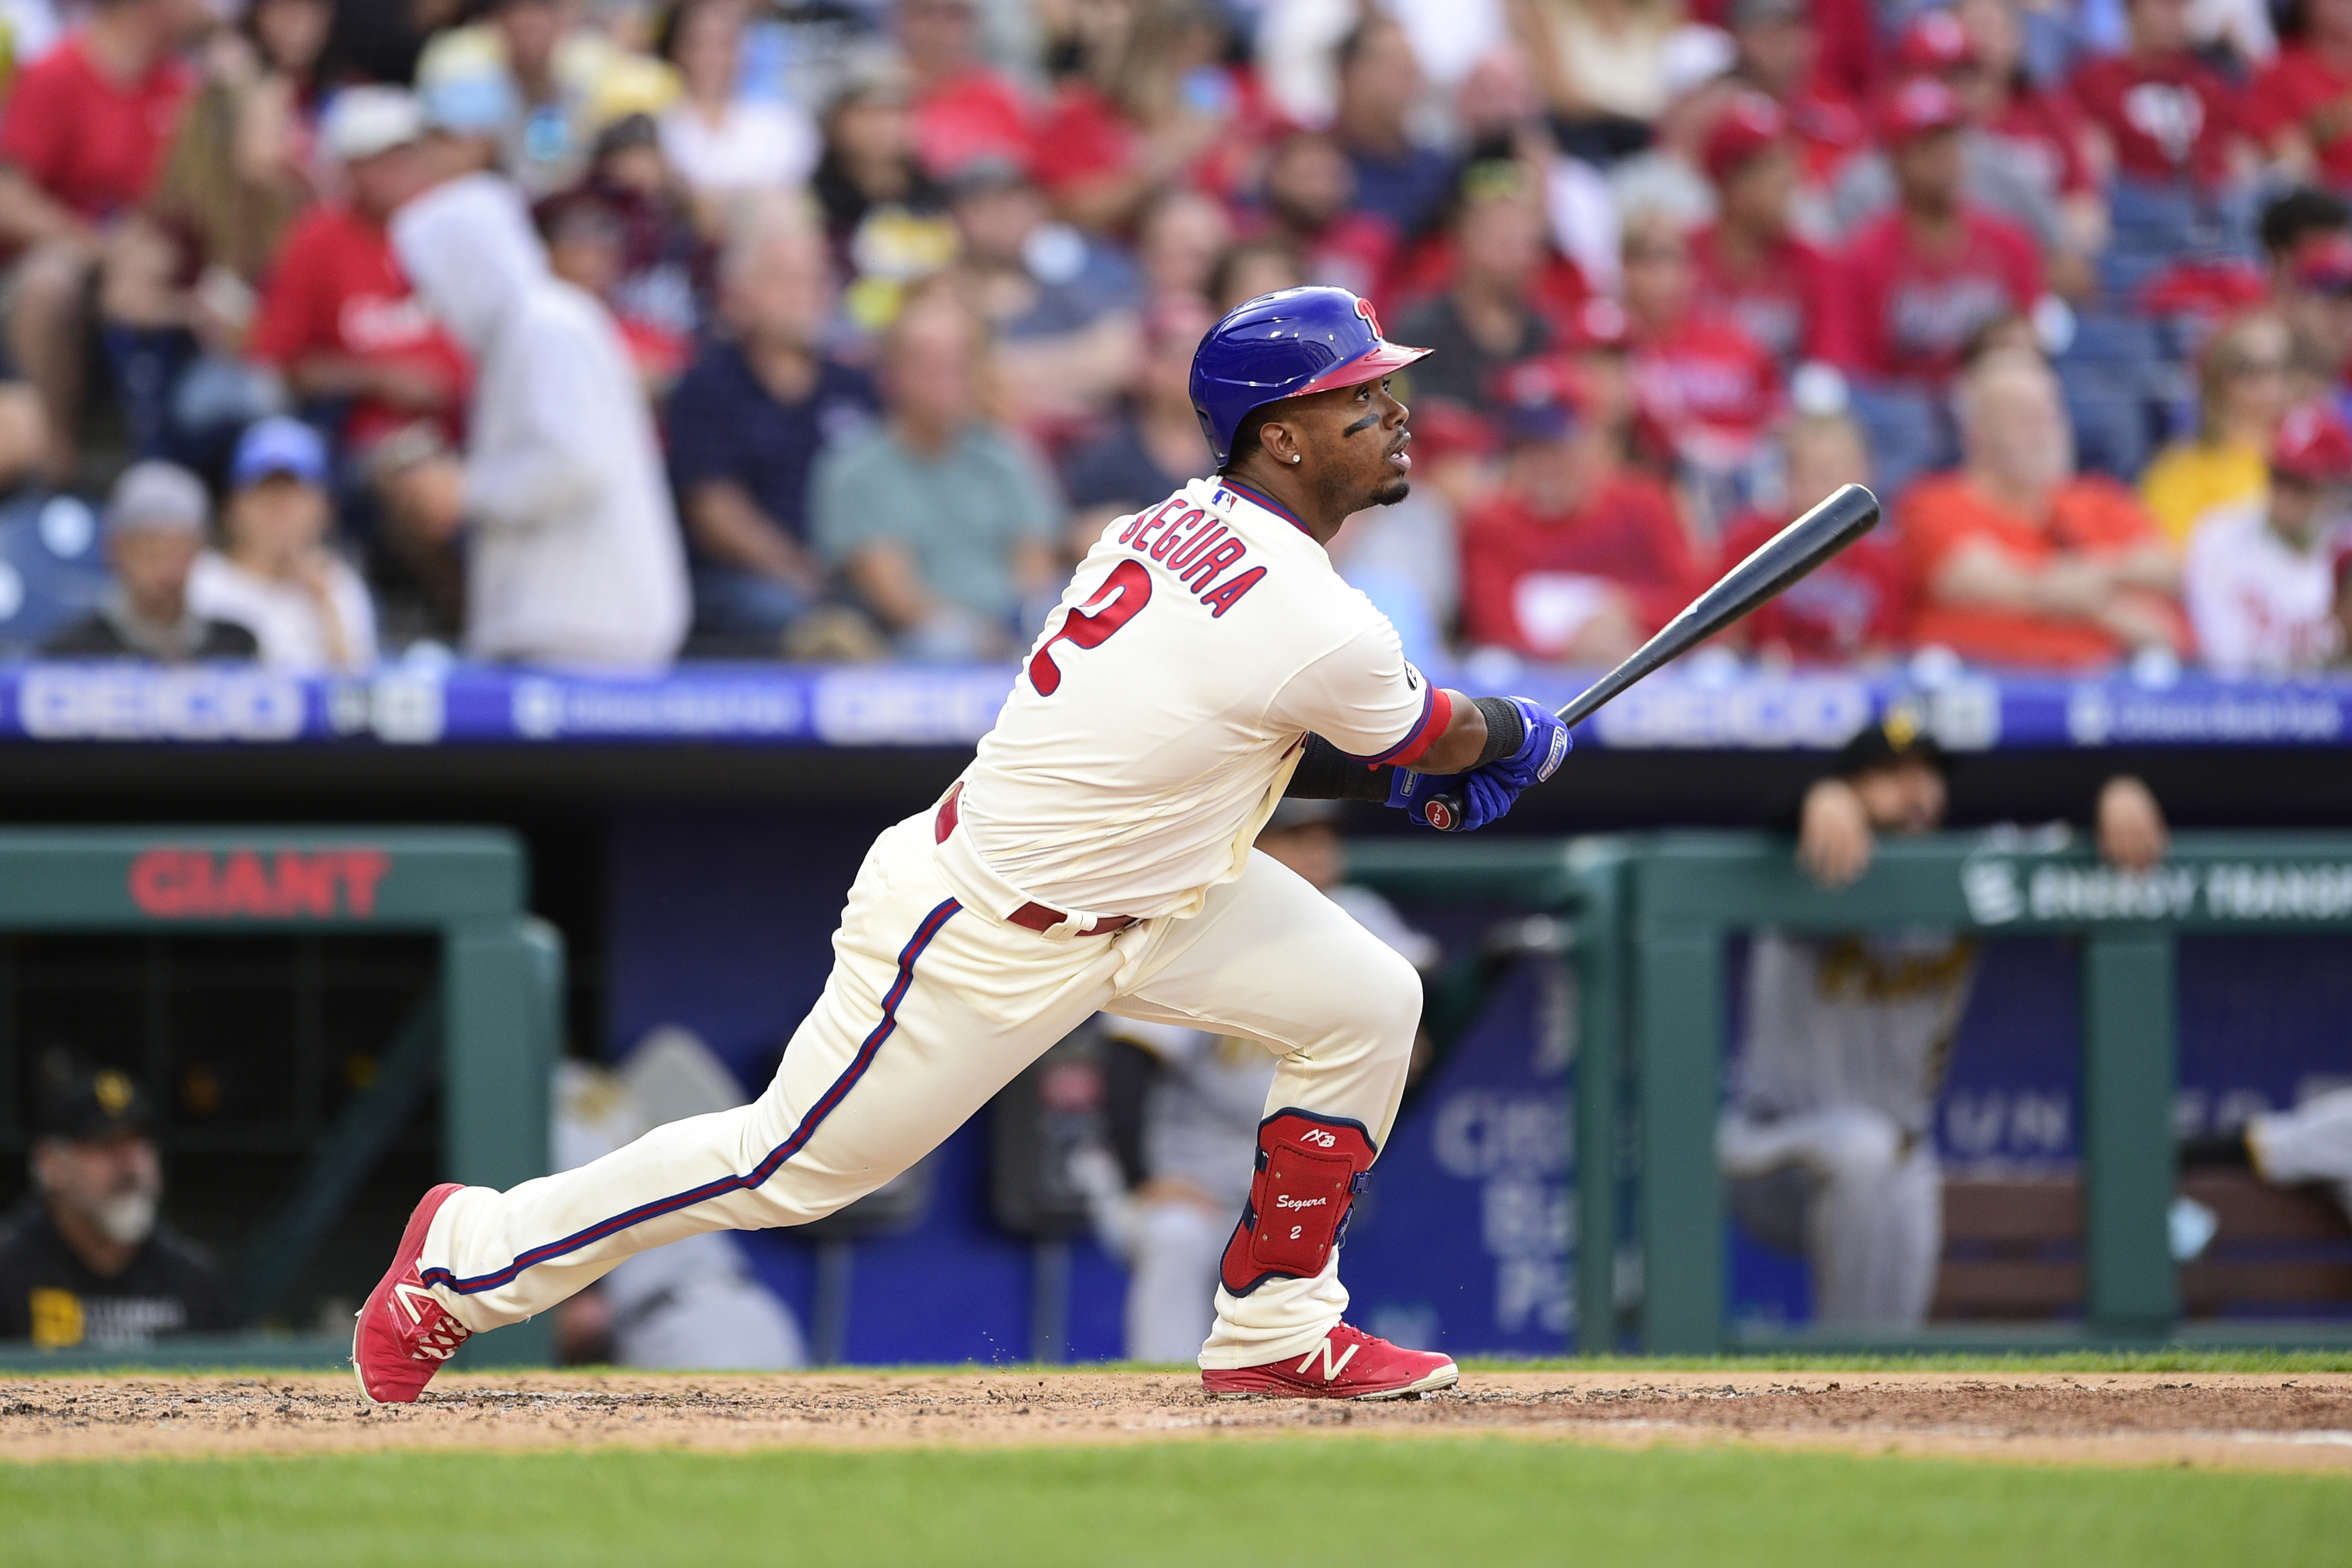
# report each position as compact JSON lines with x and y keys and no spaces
{"x":1650,"y":916}
{"x":487,"y":1033}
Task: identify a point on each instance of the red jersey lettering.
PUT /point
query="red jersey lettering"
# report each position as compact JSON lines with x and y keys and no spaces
{"x":1223,"y":598}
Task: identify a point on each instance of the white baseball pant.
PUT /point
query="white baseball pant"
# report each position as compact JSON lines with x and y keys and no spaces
{"x":932,"y":1007}
{"x":1874,"y":1220}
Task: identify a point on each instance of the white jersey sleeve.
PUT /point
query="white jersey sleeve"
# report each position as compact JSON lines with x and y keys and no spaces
{"x":1366,"y":698}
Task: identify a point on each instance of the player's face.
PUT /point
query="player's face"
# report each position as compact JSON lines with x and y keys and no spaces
{"x":1907,"y":796}
{"x":1354,"y":446}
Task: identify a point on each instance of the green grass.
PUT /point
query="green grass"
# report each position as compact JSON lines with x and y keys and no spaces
{"x":1445,"y":1501}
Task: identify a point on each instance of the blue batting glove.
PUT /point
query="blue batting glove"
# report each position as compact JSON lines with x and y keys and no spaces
{"x":1485,"y":798}
{"x":1540,"y":754}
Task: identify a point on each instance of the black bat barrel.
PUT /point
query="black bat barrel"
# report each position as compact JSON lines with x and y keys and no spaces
{"x":1779,"y":561}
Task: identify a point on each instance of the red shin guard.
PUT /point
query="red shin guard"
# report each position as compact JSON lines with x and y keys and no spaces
{"x":1309,"y":1170}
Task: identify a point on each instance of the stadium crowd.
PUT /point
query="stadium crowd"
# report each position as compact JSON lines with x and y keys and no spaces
{"x":612,"y":332}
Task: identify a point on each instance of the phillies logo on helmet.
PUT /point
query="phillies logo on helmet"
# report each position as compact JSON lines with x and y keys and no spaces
{"x":1364,"y":308}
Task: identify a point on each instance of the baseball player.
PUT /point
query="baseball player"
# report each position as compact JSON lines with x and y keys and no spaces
{"x":1829,"y":1140}
{"x":1205,"y":662}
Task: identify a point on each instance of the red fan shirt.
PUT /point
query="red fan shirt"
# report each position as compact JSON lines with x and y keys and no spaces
{"x":94,"y":144}
{"x":1902,"y":311}
{"x":2042,"y":132}
{"x":338,"y":289}
{"x":1709,"y":385}
{"x":972,"y":115}
{"x":2303,"y":90}
{"x":1528,"y":581}
{"x":1778,"y":300}
{"x":2166,"y":117}
{"x":1856,"y":603}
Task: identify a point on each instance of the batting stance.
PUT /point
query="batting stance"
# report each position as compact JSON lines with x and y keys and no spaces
{"x":1206,"y":660}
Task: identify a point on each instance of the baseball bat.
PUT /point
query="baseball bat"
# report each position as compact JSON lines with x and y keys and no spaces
{"x":1778,"y":562}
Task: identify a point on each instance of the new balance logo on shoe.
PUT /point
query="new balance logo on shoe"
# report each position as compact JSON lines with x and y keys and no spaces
{"x":414,"y":1300}
{"x":1331,"y":1369}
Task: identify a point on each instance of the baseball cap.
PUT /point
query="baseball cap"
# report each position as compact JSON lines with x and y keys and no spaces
{"x":1542,"y":399}
{"x":472,"y":102}
{"x":365,"y":120}
{"x":279,"y":445}
{"x":1922,"y":105}
{"x":1748,"y":124}
{"x":156,"y":496}
{"x":2313,"y":447}
{"x":1935,"y":41}
{"x":78,"y":1101}
{"x":1899,"y":736}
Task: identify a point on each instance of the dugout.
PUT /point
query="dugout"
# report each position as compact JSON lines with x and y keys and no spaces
{"x":328,"y":1020}
{"x":1654,"y":917}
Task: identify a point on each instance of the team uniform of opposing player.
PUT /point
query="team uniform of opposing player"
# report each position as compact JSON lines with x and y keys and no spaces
{"x":1205,"y":660}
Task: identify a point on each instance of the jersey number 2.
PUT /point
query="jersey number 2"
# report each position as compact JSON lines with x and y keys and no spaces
{"x":1128,"y":588}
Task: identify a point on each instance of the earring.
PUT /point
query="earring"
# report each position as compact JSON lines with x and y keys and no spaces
{"x":1294,"y":457}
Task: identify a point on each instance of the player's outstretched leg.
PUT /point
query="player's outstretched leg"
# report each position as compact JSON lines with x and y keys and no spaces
{"x":1272,"y":959}
{"x":931,"y":1008}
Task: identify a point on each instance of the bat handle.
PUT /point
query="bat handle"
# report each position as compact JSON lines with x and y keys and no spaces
{"x":1444,"y":812}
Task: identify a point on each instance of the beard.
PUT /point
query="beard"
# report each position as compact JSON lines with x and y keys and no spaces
{"x":126,"y":1219}
{"x":1391,"y":490}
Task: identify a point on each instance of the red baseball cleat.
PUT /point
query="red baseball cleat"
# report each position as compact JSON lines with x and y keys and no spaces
{"x":404,"y":1334}
{"x":1349,"y":1365}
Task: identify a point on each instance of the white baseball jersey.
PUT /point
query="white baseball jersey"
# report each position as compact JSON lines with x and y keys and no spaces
{"x":1158,"y":719}
{"x":2259,"y":604}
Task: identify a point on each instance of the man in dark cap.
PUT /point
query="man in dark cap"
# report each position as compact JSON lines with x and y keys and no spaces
{"x":87,"y":1262}
{"x":1829,"y":1141}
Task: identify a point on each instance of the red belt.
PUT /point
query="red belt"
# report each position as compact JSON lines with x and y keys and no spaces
{"x":1034,"y":916}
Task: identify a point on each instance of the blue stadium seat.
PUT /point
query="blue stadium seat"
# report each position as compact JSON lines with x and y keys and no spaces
{"x":51,"y":570}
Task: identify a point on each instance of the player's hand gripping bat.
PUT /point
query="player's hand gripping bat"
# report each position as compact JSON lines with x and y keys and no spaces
{"x":1778,"y":562}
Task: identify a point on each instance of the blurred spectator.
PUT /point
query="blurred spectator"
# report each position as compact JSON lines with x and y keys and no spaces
{"x":563,"y":77}
{"x":1062,"y":305}
{"x":1397,"y":180}
{"x":1780,"y":55}
{"x":2163,"y":114}
{"x":573,"y":556}
{"x":1603,"y":67}
{"x":1570,"y":558}
{"x":1177,"y":242}
{"x":1488,"y":317}
{"x":2297,"y":104}
{"x":1854,"y":608}
{"x":306,"y":607}
{"x":885,"y":214}
{"x":1705,"y":381}
{"x":942,"y":523}
{"x":1829,"y":1142}
{"x":1308,"y":199}
{"x":337,"y":318}
{"x":1250,"y":269}
{"x":2261,"y":576}
{"x":1156,"y":443}
{"x":87,"y":1262}
{"x":82,"y":139}
{"x":962,"y":109}
{"x":2242,"y":395}
{"x":2017,"y":561}
{"x":1668,"y":175}
{"x":1150,"y":103}
{"x":1916,"y":286}
{"x":664,"y":265}
{"x":183,"y":270}
{"x":724,"y":147}
{"x":587,"y":247}
{"x":746,"y":426}
{"x":154,"y":531}
{"x":1752,"y":265}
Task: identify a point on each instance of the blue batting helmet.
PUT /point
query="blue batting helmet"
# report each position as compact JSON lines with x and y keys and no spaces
{"x":1287,"y":344}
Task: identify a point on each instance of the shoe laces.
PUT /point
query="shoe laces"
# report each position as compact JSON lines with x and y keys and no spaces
{"x":440,"y":1342}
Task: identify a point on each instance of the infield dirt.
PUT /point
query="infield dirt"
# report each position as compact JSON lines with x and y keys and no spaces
{"x":2236,"y":1421}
